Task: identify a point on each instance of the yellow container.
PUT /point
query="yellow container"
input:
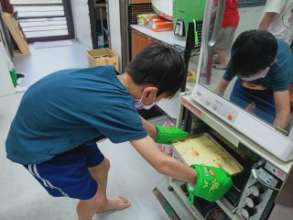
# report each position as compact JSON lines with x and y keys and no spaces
{"x":103,"y":56}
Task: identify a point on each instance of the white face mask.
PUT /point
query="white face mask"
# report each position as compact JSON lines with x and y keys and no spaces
{"x":259,"y":75}
{"x":138,"y":103}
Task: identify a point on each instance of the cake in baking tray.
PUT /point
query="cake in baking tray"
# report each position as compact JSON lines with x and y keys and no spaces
{"x":205,"y":150}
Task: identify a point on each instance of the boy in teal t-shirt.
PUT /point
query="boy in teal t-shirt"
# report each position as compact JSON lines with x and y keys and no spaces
{"x":60,"y":118}
{"x":263,"y":66}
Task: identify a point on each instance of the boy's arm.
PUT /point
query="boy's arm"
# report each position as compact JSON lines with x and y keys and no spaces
{"x":149,"y":127}
{"x":166,"y":165}
{"x":271,"y":9}
{"x":282,"y":103}
{"x":227,"y":77}
{"x":267,"y":20}
{"x":222,"y":86}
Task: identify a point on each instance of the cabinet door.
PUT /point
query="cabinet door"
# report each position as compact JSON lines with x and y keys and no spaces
{"x":139,"y":1}
{"x":139,"y":41}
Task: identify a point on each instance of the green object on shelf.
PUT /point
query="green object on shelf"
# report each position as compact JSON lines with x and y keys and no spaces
{"x":189,"y":11}
{"x":168,"y":135}
{"x":196,"y":35}
{"x":211,"y":183}
{"x":13,"y":76}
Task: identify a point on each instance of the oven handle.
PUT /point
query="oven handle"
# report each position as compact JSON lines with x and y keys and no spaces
{"x":258,"y":179}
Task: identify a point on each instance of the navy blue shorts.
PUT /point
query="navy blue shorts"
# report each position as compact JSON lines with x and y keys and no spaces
{"x":67,"y":174}
{"x":263,"y":100}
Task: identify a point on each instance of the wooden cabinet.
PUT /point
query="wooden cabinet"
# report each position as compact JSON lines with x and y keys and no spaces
{"x":139,"y":41}
{"x":139,"y":1}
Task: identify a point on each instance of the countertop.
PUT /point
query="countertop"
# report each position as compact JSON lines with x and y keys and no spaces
{"x":167,"y":37}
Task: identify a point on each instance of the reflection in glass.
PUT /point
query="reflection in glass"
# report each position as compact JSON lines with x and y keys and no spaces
{"x":258,"y":75}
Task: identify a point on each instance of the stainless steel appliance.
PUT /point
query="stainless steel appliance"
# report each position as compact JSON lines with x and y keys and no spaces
{"x":264,"y":189}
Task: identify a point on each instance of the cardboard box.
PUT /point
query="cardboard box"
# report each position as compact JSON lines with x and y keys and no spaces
{"x":103,"y":56}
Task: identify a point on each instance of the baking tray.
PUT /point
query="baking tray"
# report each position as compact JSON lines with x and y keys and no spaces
{"x":205,"y":150}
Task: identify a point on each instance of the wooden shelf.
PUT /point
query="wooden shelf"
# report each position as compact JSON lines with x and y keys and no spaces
{"x":166,"y":37}
{"x":139,"y":1}
{"x":139,"y":42}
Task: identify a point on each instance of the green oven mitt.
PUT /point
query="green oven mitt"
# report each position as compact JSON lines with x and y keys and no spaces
{"x":211,"y":183}
{"x":168,"y":135}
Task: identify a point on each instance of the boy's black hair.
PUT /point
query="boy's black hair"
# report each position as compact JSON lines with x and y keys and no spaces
{"x":159,"y":65}
{"x":252,"y":51}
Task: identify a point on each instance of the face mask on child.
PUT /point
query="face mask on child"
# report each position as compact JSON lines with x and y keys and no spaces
{"x":138,"y":103}
{"x":259,"y":75}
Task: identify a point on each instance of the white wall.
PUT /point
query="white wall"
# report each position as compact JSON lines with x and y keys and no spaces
{"x":81,"y":20}
{"x":115,"y":31}
{"x":249,"y":18}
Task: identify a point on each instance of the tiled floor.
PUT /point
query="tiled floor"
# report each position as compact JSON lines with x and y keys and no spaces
{"x":22,"y":198}
{"x":46,"y":58}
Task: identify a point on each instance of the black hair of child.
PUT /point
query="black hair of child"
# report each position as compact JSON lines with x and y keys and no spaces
{"x":253,"y":51}
{"x":159,"y":65}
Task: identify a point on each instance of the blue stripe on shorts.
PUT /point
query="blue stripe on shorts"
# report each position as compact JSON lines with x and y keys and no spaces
{"x":67,"y":174}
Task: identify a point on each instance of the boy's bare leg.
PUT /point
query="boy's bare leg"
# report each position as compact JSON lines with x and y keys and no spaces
{"x":100,"y":203}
